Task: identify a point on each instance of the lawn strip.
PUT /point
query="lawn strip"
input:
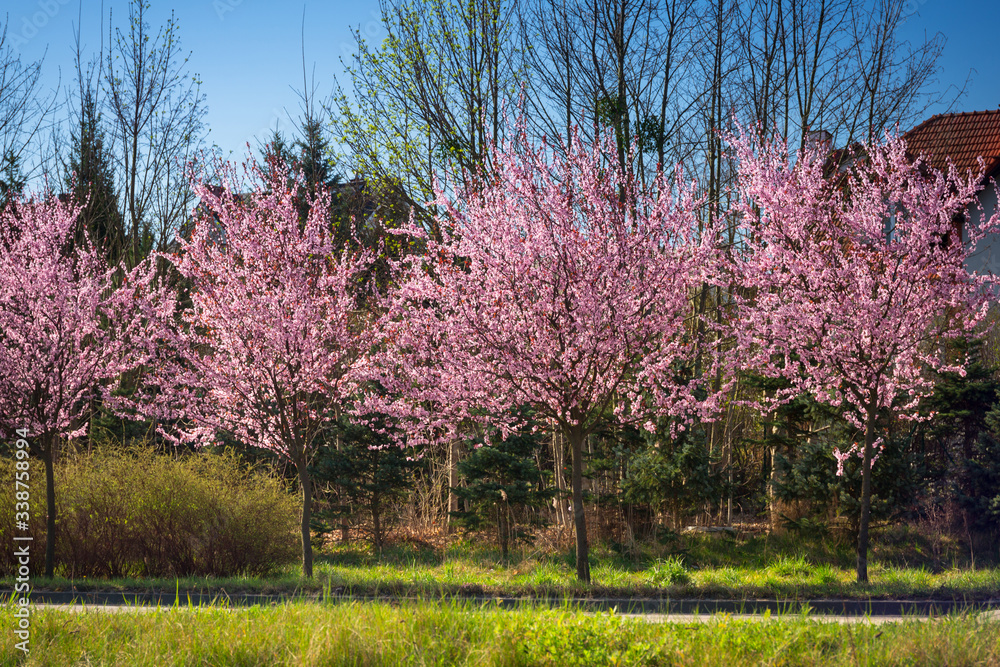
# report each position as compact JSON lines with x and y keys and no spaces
{"x":460,"y":634}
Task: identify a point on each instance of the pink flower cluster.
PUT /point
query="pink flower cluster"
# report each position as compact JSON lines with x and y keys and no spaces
{"x":859,"y":451}
{"x":70,"y":325}
{"x":557,"y":284}
{"x":274,"y":333}
{"x":851,"y":277}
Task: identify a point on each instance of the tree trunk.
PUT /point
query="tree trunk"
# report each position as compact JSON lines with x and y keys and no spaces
{"x":306,"y":484}
{"x":778,"y":510}
{"x":559,"y":463}
{"x":866,"y":493}
{"x":452,"y":484}
{"x":376,"y":521}
{"x":48,"y":456}
{"x":345,"y":531}
{"x":502,"y":531}
{"x":576,"y":436}
{"x":774,"y":514}
{"x":342,"y":495}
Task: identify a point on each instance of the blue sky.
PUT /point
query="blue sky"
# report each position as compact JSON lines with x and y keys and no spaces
{"x":248,"y":52}
{"x":971,"y":28}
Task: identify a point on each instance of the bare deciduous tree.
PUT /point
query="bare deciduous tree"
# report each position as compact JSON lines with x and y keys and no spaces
{"x":156,"y":114}
{"x":23,"y":112}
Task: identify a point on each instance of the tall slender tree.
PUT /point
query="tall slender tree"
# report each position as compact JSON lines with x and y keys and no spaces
{"x":90,"y":177}
{"x":24,"y":106}
{"x":430,"y":95}
{"x":155,"y":111}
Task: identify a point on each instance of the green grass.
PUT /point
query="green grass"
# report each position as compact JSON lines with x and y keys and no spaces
{"x":447,"y":634}
{"x":736,"y":568}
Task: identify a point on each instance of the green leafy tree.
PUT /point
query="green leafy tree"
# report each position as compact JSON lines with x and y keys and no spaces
{"x":429,"y":96}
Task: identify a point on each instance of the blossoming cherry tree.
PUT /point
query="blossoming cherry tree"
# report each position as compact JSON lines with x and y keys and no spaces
{"x":558,"y":286}
{"x":853,"y":278}
{"x":267,"y":350}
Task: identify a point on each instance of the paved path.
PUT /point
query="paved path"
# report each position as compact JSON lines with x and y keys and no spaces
{"x":689,"y":619}
{"x":652,"y":609}
{"x":816,"y":618}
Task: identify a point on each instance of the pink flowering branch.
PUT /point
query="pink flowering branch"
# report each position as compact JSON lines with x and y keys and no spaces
{"x":70,"y":326}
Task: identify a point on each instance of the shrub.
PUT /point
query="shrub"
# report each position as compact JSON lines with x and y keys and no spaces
{"x":136,"y":513}
{"x":668,"y":572}
{"x":674,"y":475}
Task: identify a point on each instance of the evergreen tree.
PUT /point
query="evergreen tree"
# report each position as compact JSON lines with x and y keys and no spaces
{"x":90,"y":178}
{"x":369,"y":475}
{"x":978,"y":487}
{"x":308,"y":156}
{"x":312,"y":151}
{"x":811,"y":475}
{"x":276,"y":154}
{"x":502,"y":484}
{"x":12,"y":181}
{"x":673,"y":475}
{"x":960,"y":405}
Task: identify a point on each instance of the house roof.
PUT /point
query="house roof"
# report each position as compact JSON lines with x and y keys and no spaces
{"x":963,"y":137}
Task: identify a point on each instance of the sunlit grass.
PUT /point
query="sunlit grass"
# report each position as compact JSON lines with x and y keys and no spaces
{"x":465,"y":634}
{"x":711,"y":567}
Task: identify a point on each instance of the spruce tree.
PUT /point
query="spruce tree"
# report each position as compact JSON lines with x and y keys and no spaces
{"x":90,"y":178}
{"x":313,"y":149}
{"x":12,"y":180}
{"x":371,"y":477}
{"x":504,"y":486}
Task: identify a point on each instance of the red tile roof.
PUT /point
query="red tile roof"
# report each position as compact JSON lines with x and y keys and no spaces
{"x":963,"y":137}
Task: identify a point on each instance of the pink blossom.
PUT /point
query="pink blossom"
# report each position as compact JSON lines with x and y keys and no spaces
{"x":70,"y":325}
{"x":852,"y":281}
{"x":852,"y":284}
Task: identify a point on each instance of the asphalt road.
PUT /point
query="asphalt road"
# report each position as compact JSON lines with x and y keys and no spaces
{"x":653,"y":609}
{"x":688,"y":619}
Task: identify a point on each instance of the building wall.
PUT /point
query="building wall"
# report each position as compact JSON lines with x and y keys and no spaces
{"x":986,"y":257}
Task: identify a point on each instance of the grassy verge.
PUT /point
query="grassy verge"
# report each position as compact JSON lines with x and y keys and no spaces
{"x":423,"y":634}
{"x":733,"y":567}
{"x":783,"y":580}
